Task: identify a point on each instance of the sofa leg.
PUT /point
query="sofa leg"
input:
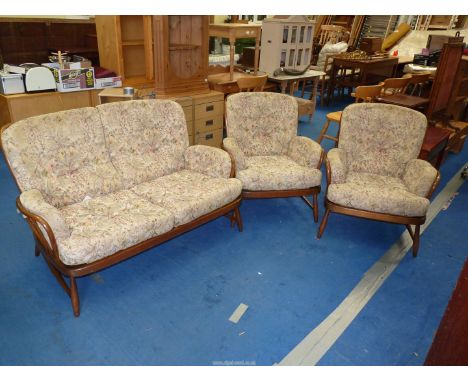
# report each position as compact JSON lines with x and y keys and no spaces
{"x":238,"y":218}
{"x":37,"y":248}
{"x":323,"y":224}
{"x":417,"y":229}
{"x":75,"y":299}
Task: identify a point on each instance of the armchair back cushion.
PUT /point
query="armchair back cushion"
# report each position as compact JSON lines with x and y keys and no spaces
{"x":262,"y":123}
{"x":381,"y":139}
{"x":146,"y":139}
{"x":62,"y":154}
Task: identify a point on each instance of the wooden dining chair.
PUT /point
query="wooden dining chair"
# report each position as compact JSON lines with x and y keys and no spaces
{"x":416,"y":83}
{"x":362,"y":94}
{"x":252,"y":83}
{"x":394,"y":85}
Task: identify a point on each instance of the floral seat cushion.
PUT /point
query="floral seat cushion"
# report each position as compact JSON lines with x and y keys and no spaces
{"x":189,"y":194}
{"x":106,"y":224}
{"x":278,"y":172}
{"x":377,"y":193}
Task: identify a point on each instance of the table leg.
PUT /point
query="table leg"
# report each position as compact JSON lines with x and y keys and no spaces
{"x":284,"y":84}
{"x":231,"y":67}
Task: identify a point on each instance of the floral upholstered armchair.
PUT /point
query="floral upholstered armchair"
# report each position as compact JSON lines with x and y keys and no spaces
{"x":374,"y":173}
{"x":270,"y":159}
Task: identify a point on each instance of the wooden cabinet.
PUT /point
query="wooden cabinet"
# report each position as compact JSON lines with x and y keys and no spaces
{"x":208,"y":114}
{"x":180,"y":54}
{"x":125,"y":46}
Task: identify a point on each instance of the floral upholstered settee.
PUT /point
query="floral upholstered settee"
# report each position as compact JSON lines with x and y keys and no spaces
{"x":99,"y":185}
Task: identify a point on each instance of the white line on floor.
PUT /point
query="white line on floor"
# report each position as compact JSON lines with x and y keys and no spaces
{"x":314,"y":346}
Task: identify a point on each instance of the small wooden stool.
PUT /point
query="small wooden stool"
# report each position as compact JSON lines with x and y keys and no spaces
{"x":331,"y":117}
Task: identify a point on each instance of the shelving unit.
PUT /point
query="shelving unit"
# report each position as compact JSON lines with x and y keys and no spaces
{"x":126,"y":47}
{"x":181,"y":54}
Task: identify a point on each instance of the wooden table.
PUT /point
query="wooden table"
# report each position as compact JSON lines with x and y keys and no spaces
{"x":284,"y":80}
{"x":234,"y":31}
{"x":363,"y":72}
{"x":434,"y":146}
{"x":405,"y":100}
{"x":304,"y":106}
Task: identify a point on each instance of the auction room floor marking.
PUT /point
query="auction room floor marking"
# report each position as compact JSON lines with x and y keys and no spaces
{"x":314,"y":346}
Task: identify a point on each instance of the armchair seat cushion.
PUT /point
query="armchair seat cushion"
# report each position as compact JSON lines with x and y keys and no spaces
{"x":377,"y":193}
{"x":106,"y":224}
{"x":278,"y":172}
{"x":188,"y":194}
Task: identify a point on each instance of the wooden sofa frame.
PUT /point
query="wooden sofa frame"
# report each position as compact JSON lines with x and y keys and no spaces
{"x":417,"y":221}
{"x":47,"y":246}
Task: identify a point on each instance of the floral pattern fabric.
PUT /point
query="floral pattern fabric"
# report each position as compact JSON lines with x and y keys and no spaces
{"x":189,"y":194}
{"x":146,"y":139}
{"x":33,"y":201}
{"x":381,"y":139}
{"x":278,"y":172}
{"x":262,"y":123}
{"x":208,"y":160}
{"x":419,"y":177}
{"x":377,"y":193}
{"x":305,"y":152}
{"x":338,"y":166}
{"x":106,"y":224}
{"x":63,"y":155}
{"x":231,"y":146}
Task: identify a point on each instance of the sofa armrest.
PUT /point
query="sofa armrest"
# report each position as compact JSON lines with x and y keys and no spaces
{"x":231,"y":146}
{"x":44,"y":215}
{"x":208,"y":160}
{"x":306,"y":152}
{"x":336,"y":166}
{"x":420,"y":177}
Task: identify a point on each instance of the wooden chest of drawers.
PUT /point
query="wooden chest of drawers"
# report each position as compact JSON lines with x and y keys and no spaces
{"x":208,"y":115}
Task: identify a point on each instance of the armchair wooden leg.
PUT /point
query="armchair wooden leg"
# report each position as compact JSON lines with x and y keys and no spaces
{"x":238,"y":219}
{"x":417,"y":229}
{"x":323,"y":224}
{"x":315,"y":196}
{"x":75,"y":299}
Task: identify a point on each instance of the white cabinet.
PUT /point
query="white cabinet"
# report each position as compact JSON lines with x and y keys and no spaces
{"x":286,"y":42}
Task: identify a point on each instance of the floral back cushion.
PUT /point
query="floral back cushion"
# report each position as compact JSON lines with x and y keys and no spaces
{"x":262,"y":123}
{"x":380,"y":138}
{"x":62,"y":154}
{"x":146,"y":139}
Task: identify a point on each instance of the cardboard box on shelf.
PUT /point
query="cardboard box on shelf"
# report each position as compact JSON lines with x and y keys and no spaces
{"x":108,"y":82}
{"x":72,"y":80}
{"x":77,"y":65}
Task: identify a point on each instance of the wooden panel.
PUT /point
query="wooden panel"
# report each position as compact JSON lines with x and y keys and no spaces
{"x":212,"y":138}
{"x":34,"y":105}
{"x":209,"y":110}
{"x":75,"y":100}
{"x":211,"y":96}
{"x":131,"y":28}
{"x":108,"y":38}
{"x":208,"y":124}
{"x":134,"y":61}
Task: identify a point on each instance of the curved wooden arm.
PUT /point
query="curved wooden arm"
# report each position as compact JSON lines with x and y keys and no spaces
{"x":233,"y":163}
{"x":434,"y":185}
{"x":35,"y":221}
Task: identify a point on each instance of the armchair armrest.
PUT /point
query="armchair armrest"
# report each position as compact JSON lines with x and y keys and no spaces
{"x":46,"y":217}
{"x":336,"y":166}
{"x":420,"y":177}
{"x":208,"y":160}
{"x":231,"y":146}
{"x":306,"y":152}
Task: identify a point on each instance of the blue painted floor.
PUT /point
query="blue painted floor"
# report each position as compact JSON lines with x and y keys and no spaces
{"x":171,"y":304}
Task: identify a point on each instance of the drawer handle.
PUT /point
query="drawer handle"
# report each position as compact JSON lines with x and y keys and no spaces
{"x":208,"y":136}
{"x":210,"y":108}
{"x":209,"y":123}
